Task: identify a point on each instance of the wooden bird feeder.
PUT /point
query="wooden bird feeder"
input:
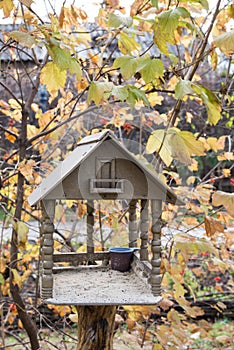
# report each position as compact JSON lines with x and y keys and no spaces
{"x":102,"y":168}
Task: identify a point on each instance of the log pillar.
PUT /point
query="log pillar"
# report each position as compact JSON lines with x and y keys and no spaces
{"x":144,"y":224}
{"x":95,"y":327}
{"x":132,"y":224}
{"x":90,"y":226}
{"x":47,"y":248}
{"x":155,"y":279}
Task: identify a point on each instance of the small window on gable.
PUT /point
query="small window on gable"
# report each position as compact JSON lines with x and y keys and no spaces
{"x":105,"y":181}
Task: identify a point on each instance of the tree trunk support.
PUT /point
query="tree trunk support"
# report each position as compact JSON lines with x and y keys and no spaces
{"x":95,"y":327}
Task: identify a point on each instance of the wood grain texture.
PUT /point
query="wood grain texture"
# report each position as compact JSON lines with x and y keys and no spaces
{"x":95,"y":327}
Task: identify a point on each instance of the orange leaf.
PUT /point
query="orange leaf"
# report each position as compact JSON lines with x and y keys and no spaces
{"x":212,"y":226}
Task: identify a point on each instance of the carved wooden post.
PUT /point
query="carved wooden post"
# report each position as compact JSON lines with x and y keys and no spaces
{"x":155,"y":279}
{"x":90,"y":226}
{"x":144,"y":223}
{"x":132,"y":224}
{"x":47,"y":248}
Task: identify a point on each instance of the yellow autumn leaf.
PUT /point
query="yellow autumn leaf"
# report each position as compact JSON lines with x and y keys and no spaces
{"x":32,"y":130}
{"x":73,"y":317}
{"x":7,"y":6}
{"x":10,"y":137}
{"x":26,"y":168}
{"x":154,"y":145}
{"x":226,"y":172}
{"x":225,"y":42}
{"x":17,"y":278}
{"x":155,"y":99}
{"x":53,"y":77}
{"x":179,"y":149}
{"x":194,"y":146}
{"x":225,"y":199}
{"x":127,"y":44}
{"x":157,"y":347}
{"x":22,"y":231}
{"x":20,"y":324}
{"x":226,"y":156}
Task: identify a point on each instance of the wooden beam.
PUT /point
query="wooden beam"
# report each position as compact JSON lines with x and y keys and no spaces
{"x":47,"y":248}
{"x":144,"y":225}
{"x":90,"y":226}
{"x":132,"y":224}
{"x":155,"y":279}
{"x":75,"y":258}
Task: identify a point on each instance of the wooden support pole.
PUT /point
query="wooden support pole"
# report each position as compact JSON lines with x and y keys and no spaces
{"x":155,"y":279}
{"x":132,"y":224}
{"x":47,"y":248}
{"x":144,"y":224}
{"x":95,"y":327}
{"x":90,"y":226}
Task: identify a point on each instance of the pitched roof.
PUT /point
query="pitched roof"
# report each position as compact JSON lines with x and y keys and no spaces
{"x":84,"y":148}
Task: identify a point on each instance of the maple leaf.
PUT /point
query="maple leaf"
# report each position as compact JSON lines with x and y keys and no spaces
{"x":150,"y":68}
{"x":26,"y":168}
{"x":165,"y":25}
{"x":127,"y":65}
{"x":53,"y":77}
{"x":225,"y":42}
{"x":212,"y":226}
{"x":98,"y":91}
{"x":25,"y":39}
{"x":225,"y":199}
{"x":22,"y":231}
{"x":7,"y":6}
{"x":116,"y":20}
{"x":127,"y":44}
{"x":120,"y":92}
{"x":158,"y":141}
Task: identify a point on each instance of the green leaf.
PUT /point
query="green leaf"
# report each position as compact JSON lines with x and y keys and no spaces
{"x":182,"y":12}
{"x":167,"y":22}
{"x":24,"y":39}
{"x":53,"y":77}
{"x":116,"y":20}
{"x":120,"y":92}
{"x":152,"y":69}
{"x":183,"y":87}
{"x":127,"y":65}
{"x":165,"y":25}
{"x":60,"y":56}
{"x":213,"y":105}
{"x":75,"y":68}
{"x":127,"y":44}
{"x":135,"y":95}
{"x":155,"y":3}
{"x":98,"y":91}
{"x":2,"y":279}
{"x":225,"y":42}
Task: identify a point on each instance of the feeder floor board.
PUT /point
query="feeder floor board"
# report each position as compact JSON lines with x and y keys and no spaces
{"x":102,"y":286}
